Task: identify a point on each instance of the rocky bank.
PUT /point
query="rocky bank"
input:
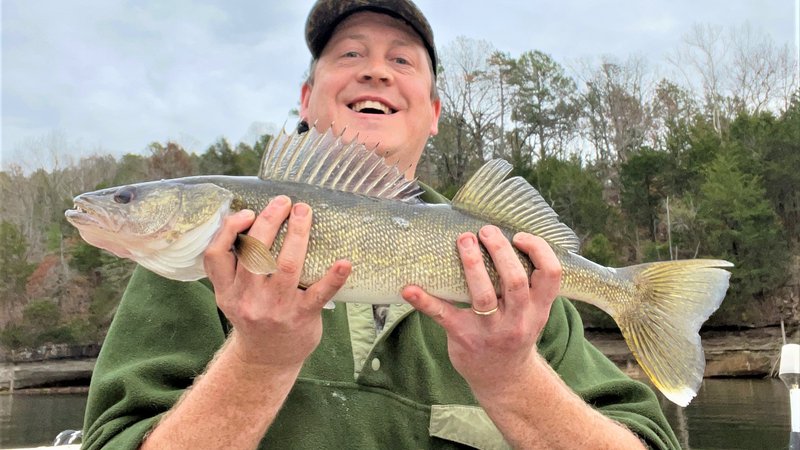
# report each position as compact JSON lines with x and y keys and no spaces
{"x":743,"y":353}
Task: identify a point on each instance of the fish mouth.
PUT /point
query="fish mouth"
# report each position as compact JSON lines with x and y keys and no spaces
{"x":372,"y":106}
{"x":86,"y":214}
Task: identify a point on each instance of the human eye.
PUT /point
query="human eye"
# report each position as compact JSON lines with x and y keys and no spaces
{"x":351,"y":54}
{"x":401,"y":60}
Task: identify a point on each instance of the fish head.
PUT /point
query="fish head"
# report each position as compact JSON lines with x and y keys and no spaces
{"x":149,"y":220}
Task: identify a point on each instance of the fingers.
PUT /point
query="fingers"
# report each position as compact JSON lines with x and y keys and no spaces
{"x":218,"y":260}
{"x":546,"y":278}
{"x":513,"y":277}
{"x":481,"y":288}
{"x":269,"y":221}
{"x":265,"y":228}
{"x":439,"y":310}
{"x":293,"y":251}
{"x":323,"y":290}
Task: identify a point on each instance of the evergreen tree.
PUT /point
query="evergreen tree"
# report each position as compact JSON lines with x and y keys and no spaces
{"x":742,"y":228}
{"x":14,"y":267}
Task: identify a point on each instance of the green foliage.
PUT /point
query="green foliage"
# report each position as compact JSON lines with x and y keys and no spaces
{"x":600,"y":250}
{"x":131,"y":169}
{"x":655,"y":251}
{"x":781,"y":171}
{"x":14,"y":267}
{"x":546,"y":104}
{"x":54,"y":237}
{"x":248,"y":159}
{"x":85,"y":257}
{"x":681,"y":227}
{"x":219,"y":159}
{"x":40,"y":324}
{"x":14,"y":337}
{"x":41,"y":314}
{"x":690,"y":151}
{"x":83,"y":331}
{"x":644,"y":186}
{"x":574,"y":192}
{"x":741,"y":226}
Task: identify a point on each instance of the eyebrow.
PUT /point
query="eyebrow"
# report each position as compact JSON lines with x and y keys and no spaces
{"x":363,"y":37}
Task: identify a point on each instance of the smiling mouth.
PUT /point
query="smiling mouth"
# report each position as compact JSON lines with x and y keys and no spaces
{"x":371,"y":107}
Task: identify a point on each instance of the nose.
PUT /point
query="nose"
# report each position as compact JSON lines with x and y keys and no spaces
{"x":375,"y":70}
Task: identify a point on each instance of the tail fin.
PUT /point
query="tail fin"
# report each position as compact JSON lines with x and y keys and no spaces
{"x":672,"y":300}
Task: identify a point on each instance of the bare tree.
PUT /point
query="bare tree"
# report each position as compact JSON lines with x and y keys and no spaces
{"x":471,"y":107}
{"x":170,"y":161}
{"x":701,"y":60}
{"x":618,"y":117}
{"x":762,"y":74}
{"x":739,"y":71}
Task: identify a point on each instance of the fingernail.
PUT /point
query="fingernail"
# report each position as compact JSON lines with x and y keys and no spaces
{"x":280,"y":200}
{"x":488,"y":231}
{"x":467,"y":241}
{"x":300,"y":210}
{"x":246,"y":213}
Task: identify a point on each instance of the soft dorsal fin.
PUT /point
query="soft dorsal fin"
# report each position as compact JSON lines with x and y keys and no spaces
{"x":513,"y":203}
{"x":322,"y":159}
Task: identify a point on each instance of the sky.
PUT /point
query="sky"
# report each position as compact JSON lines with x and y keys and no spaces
{"x":111,"y":76}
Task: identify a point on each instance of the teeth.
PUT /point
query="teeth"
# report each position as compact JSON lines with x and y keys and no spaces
{"x":371,"y":104}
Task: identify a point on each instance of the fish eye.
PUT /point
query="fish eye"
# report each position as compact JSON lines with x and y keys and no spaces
{"x":124,"y":195}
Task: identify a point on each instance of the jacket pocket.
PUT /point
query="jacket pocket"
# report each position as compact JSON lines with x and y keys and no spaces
{"x":468,"y":425}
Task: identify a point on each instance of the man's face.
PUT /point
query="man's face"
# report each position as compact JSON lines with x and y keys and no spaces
{"x":373,"y":79}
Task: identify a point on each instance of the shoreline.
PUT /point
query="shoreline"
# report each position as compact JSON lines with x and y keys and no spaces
{"x":749,"y":353}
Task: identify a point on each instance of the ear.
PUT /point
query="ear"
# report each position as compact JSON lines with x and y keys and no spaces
{"x":305,"y":97}
{"x":437,"y":111}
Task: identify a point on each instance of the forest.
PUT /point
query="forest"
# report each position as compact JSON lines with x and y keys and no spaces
{"x":698,"y":157}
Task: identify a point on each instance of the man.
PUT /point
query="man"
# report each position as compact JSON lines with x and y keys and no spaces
{"x":431,"y":376}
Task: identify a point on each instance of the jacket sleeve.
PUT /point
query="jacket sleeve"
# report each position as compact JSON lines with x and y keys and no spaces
{"x":599,"y":382}
{"x":163,"y":335}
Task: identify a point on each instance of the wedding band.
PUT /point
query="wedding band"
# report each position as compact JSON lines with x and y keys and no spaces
{"x":485,"y":313}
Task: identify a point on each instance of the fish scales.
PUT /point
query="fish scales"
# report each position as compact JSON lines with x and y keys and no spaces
{"x":390,"y":244}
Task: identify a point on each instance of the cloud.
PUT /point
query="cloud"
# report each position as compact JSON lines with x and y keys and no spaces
{"x":123,"y":75}
{"x":119,"y":74}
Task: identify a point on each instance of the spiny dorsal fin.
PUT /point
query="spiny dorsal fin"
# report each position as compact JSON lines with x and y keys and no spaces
{"x":322,"y":159}
{"x":513,"y":203}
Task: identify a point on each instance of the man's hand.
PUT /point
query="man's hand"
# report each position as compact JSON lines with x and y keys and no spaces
{"x":275,"y":323}
{"x":487,"y":349}
{"x":496,"y":353}
{"x":276,"y":326}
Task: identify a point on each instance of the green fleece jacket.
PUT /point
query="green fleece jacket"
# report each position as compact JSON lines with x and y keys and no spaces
{"x":358,"y":390}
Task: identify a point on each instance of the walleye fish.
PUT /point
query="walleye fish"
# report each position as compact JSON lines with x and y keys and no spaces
{"x":366,"y":211}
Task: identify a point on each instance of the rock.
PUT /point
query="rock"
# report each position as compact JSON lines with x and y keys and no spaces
{"x":742,"y":363}
{"x":46,"y":373}
{"x":742,"y":353}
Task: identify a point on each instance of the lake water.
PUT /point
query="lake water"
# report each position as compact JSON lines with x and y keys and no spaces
{"x":734,"y":414}
{"x":726,"y":414}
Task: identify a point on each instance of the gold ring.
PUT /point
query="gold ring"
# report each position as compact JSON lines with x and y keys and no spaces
{"x":485,"y":313}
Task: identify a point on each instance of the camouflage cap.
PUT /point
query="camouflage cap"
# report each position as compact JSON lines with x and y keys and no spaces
{"x":325,"y":15}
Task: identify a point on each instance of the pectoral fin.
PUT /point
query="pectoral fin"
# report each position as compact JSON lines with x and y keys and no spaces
{"x":254,"y":255}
